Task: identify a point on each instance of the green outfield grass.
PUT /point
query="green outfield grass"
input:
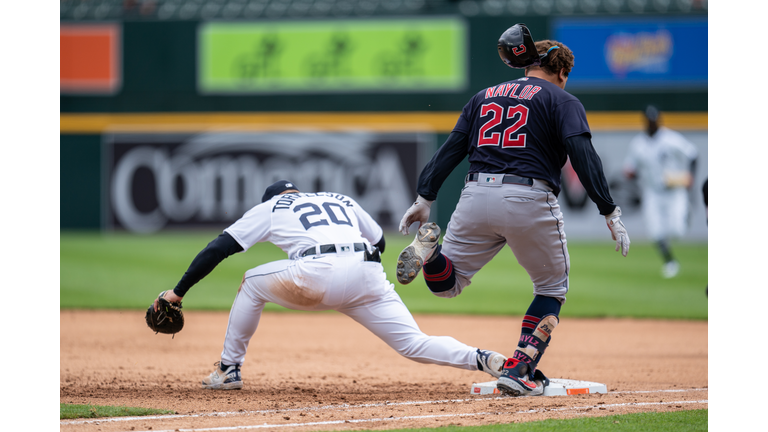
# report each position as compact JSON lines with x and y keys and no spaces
{"x":127,"y":271}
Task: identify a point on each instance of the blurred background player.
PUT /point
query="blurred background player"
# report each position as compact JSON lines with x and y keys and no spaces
{"x":333,"y":247}
{"x":664,"y":163}
{"x":518,"y":135}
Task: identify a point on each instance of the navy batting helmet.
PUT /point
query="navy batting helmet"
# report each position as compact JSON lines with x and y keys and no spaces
{"x":517,"y":48}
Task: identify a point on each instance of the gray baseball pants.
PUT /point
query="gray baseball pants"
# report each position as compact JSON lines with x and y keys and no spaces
{"x":527,"y":218}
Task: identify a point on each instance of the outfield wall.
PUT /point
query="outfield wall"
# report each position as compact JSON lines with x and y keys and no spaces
{"x":179,"y":123}
{"x":144,"y":173}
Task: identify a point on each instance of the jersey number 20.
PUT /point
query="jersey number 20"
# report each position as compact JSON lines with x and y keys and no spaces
{"x":315,"y":210}
{"x":496,"y":112}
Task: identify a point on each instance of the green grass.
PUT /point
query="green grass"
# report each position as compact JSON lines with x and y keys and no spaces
{"x":71,"y":411}
{"x":127,"y":271}
{"x":679,"y":421}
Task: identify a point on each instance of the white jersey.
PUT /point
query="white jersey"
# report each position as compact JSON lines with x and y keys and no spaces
{"x":295,"y":222}
{"x":343,"y":280}
{"x":667,"y":153}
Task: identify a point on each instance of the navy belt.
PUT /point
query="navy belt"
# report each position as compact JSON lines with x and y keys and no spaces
{"x":508,"y":179}
{"x":330,"y":248}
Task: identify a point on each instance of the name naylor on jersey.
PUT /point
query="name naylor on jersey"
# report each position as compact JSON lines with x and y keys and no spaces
{"x":285,"y":201}
{"x":510,"y":90}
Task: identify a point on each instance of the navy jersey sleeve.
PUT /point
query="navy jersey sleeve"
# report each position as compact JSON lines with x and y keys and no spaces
{"x":465,"y":119}
{"x":589,"y":168}
{"x":571,"y":119}
{"x":447,"y":157}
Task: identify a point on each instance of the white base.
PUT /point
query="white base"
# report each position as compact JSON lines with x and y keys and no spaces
{"x":556,"y":387}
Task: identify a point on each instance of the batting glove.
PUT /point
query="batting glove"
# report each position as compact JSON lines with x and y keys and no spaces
{"x":618,"y":231}
{"x":418,"y":212}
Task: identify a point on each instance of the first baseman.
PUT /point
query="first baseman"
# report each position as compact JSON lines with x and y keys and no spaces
{"x":333,"y":248}
{"x":517,"y":134}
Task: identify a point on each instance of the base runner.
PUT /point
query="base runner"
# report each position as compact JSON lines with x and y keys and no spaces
{"x":517,"y":135}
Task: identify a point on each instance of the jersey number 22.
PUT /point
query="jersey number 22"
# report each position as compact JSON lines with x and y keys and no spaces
{"x":497,"y":116}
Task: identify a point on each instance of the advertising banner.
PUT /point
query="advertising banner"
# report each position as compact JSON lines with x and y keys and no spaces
{"x":90,"y":58}
{"x":639,"y":53}
{"x":160,"y":181}
{"x":332,"y":56}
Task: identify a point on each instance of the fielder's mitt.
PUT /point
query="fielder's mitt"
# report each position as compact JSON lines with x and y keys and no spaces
{"x":167,"y":319}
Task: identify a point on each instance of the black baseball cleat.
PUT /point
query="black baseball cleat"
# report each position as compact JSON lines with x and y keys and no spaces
{"x":514,"y":380}
{"x":228,"y":379}
{"x":412,"y":258}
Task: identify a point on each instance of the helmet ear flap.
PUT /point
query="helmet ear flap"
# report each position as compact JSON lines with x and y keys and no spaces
{"x":517,"y":49}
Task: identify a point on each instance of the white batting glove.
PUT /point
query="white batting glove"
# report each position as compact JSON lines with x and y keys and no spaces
{"x":618,"y":231}
{"x":418,"y":212}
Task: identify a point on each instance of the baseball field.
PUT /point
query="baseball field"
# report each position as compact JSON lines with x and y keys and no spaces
{"x":623,"y":325}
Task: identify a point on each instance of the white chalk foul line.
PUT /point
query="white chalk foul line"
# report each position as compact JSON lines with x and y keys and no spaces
{"x":658,"y":391}
{"x":330,"y":422}
{"x":325,"y":407}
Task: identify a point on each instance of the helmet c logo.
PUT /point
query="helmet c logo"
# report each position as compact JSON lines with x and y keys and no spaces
{"x":518,"y":49}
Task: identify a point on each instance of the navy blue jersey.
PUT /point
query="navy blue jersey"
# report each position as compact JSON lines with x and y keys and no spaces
{"x":520,"y":127}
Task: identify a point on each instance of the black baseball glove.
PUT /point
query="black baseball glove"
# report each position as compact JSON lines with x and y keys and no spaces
{"x":167,"y":319}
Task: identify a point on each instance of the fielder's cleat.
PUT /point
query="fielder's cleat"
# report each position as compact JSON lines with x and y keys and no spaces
{"x":224,"y":379}
{"x":514,"y":380}
{"x":413,"y":257}
{"x":670,"y":269}
{"x":490,"y":362}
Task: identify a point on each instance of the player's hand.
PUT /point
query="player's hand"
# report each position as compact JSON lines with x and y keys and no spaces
{"x":618,"y":231}
{"x":170,"y":296}
{"x":418,"y":212}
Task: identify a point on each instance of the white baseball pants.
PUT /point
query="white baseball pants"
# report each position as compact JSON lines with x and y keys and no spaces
{"x":347,"y":284}
{"x":665,"y":212}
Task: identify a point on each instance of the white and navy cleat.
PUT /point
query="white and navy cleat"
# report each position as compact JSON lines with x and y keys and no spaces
{"x":412,"y":258}
{"x":490,"y":362}
{"x":224,"y":379}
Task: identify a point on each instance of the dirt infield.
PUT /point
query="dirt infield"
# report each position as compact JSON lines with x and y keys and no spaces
{"x":323,"y":371}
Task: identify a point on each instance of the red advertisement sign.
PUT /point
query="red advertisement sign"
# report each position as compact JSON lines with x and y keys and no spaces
{"x":90,"y":58}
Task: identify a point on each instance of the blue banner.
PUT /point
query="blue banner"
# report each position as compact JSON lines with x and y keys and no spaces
{"x":642,"y":53}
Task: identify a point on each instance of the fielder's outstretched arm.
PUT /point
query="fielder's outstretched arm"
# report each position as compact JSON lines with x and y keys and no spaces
{"x":217,"y":250}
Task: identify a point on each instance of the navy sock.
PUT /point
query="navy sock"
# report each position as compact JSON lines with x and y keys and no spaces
{"x":438,"y":272}
{"x":540,"y":307}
